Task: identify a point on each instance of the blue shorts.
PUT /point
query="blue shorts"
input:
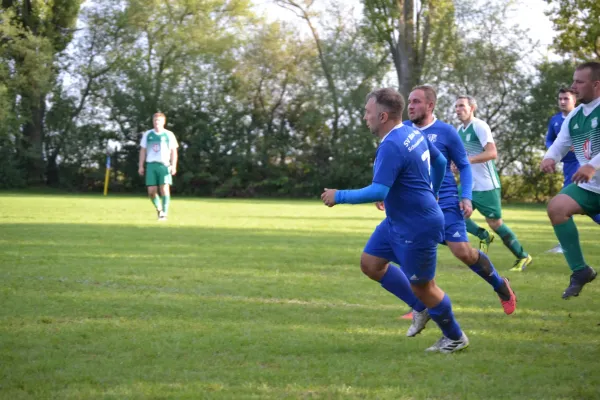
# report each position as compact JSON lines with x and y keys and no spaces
{"x":418,"y":260}
{"x":569,"y":168}
{"x":455,"y":229}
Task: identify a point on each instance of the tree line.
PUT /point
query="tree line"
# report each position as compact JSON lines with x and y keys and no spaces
{"x":265,"y":108}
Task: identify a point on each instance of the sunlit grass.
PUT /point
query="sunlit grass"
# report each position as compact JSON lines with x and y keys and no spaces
{"x":265,"y":300}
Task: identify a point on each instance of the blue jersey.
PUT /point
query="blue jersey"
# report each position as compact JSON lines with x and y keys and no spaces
{"x":402,"y":163}
{"x":553,"y":129}
{"x":445,"y":137}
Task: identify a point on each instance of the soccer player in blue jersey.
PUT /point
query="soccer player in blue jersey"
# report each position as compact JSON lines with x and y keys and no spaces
{"x":421,"y":103}
{"x":414,"y":223}
{"x":566,"y":104}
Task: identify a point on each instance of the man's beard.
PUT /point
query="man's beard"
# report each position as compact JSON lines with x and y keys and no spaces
{"x":418,"y":120}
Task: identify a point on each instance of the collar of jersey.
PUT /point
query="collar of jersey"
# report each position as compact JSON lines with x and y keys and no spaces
{"x":427,"y":126}
{"x":386,"y":135}
{"x":467,"y":127}
{"x":589,"y":107}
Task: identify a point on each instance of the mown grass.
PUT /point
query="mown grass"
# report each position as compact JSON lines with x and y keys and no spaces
{"x":265,"y":299}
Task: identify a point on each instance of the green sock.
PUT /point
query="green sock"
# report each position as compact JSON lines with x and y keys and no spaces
{"x":165,"y":203}
{"x":156,"y":201}
{"x":569,"y":240}
{"x":510,"y":240}
{"x":476,"y":230}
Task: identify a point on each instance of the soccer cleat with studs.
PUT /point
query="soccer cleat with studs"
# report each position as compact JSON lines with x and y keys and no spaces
{"x":509,"y":306}
{"x":521,"y":264}
{"x":419,"y":321}
{"x":484,"y":244}
{"x":446,"y":345}
{"x":578,"y":280}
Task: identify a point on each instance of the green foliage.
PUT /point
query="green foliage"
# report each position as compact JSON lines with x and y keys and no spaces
{"x":525,"y":181}
{"x":12,"y":175}
{"x":417,"y":35}
{"x":259,"y":108}
{"x":542,"y":100}
{"x":530,"y":184}
{"x":32,"y":35}
{"x":486,"y":43}
{"x":577,"y":24}
{"x":26,"y":62}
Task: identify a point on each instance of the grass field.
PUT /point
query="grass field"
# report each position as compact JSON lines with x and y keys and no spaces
{"x":265,"y":300}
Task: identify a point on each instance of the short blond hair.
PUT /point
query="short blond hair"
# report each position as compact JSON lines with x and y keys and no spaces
{"x":158,"y":115}
{"x":430,"y":93}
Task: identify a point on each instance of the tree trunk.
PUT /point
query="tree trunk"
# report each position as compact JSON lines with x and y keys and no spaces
{"x":33,"y":138}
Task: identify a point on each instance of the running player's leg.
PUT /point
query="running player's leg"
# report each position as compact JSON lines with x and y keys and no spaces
{"x":458,"y":243}
{"x":420,"y":261}
{"x":512,"y":243}
{"x":375,"y":264}
{"x":485,"y":237}
{"x":489,"y":205}
{"x":570,"y":201}
{"x":568,"y":170}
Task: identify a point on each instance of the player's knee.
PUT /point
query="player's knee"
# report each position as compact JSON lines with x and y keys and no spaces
{"x":465,"y":253}
{"x":367,"y":268}
{"x":419,"y":290}
{"x":371,"y":268}
{"x":423,"y":290}
{"x":556,"y":211}
{"x":152,"y":191}
{"x":495,"y":223}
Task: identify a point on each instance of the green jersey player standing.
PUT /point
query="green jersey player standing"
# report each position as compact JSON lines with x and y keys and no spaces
{"x":158,"y":160}
{"x":481,"y":149}
{"x":581,"y":129}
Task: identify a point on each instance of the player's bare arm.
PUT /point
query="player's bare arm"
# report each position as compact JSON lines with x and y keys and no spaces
{"x":173,"y":167}
{"x":142,"y":161}
{"x":489,"y":153}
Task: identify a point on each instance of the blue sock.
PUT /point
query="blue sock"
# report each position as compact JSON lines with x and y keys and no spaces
{"x":485,"y":269}
{"x":443,"y":316}
{"x":395,"y":282}
{"x":596,"y":218}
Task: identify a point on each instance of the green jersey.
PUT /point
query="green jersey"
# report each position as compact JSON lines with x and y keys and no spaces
{"x":581,"y":130}
{"x":158,"y":146}
{"x":475,"y":136}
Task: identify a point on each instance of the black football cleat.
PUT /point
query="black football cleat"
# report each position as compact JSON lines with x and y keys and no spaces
{"x":578,"y":280}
